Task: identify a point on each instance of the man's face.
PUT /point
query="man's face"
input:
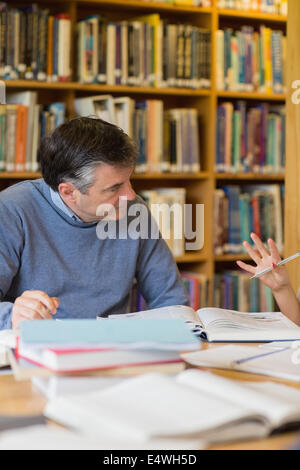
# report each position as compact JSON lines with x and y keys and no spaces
{"x":110,"y":184}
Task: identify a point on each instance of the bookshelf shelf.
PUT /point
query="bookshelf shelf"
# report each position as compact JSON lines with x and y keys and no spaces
{"x":76,"y":86}
{"x":191,"y":258}
{"x":20,"y":175}
{"x":251,"y":96}
{"x":253,"y":15}
{"x":250,"y":176}
{"x":147,"y":5}
{"x":232,"y":258}
{"x":170,"y":176}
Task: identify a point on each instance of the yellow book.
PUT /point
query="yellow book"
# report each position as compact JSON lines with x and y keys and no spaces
{"x":268,"y":61}
{"x":155,"y":21}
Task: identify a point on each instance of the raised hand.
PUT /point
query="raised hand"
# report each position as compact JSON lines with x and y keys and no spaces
{"x":276,"y":279}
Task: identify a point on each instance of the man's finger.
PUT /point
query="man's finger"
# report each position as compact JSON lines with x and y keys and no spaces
{"x":33,"y":305}
{"x":47,"y":301}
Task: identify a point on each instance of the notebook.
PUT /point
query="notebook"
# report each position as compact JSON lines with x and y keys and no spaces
{"x":195,"y":404}
{"x":220,"y":325}
{"x":279,"y":363}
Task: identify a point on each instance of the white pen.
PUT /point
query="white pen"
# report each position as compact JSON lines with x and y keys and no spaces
{"x":267,"y":270}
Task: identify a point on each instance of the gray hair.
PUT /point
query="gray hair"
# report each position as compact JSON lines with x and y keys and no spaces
{"x":84,"y":177}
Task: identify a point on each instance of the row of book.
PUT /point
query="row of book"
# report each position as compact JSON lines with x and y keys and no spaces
{"x":238,"y":211}
{"x":250,"y":60}
{"x":197,"y":287}
{"x":146,"y":51}
{"x":23,"y":123}
{"x":277,"y":7}
{"x":167,"y":140}
{"x":235,"y":291}
{"x":34,"y":45}
{"x":250,"y":138}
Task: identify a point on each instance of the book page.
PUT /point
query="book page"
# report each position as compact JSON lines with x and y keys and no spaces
{"x":267,"y":400}
{"x":175,"y":311}
{"x":221,"y":324}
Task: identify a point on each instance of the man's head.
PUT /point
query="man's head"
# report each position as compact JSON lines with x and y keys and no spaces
{"x":89,"y":162}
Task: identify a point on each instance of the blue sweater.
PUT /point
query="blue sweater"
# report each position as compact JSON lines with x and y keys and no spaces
{"x":43,"y":248}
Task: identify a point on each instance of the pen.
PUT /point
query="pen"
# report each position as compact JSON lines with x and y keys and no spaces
{"x":267,"y":270}
{"x":256,"y":356}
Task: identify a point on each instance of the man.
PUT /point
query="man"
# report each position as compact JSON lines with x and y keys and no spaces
{"x":51,"y":260}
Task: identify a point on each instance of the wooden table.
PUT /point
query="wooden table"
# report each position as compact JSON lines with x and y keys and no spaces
{"x":18,"y":398}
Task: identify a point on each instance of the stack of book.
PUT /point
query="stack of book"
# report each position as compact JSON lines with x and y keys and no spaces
{"x":34,"y":44}
{"x":235,"y":291}
{"x":250,"y":139}
{"x":167,"y":208}
{"x":277,"y":7}
{"x":250,"y":60}
{"x":23,"y":123}
{"x":240,"y":211}
{"x":168,"y":141}
{"x":106,"y":346}
{"x":144,"y":51}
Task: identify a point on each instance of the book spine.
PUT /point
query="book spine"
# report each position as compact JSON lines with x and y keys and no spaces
{"x":21,"y":131}
{"x":2,"y":136}
{"x":10,"y":144}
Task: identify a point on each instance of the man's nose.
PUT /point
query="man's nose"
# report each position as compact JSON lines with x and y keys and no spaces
{"x":129,"y":192}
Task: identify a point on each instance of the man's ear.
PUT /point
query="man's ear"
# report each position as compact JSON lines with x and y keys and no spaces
{"x":67,"y":191}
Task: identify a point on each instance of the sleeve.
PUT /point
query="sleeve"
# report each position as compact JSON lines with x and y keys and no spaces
{"x":11,"y":246}
{"x":157,"y":275}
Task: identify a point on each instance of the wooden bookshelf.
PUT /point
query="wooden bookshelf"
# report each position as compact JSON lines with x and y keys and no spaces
{"x":249,"y":176}
{"x":200,"y":186}
{"x":252,"y":15}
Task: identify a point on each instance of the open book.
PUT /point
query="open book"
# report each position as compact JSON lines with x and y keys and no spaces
{"x":192,"y":405}
{"x":280,"y":363}
{"x":216,"y":324}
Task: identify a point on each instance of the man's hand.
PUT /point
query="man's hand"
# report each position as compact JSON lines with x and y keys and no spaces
{"x":33,"y":305}
{"x":278,"y":278}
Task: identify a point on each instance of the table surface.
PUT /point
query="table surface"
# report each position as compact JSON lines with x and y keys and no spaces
{"x":21,"y":398}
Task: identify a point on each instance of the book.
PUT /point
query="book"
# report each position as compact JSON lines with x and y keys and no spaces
{"x":58,"y":385}
{"x":221,"y":325}
{"x":79,"y":359}
{"x":167,"y":334}
{"x":280,"y":363}
{"x":193,"y":404}
{"x":49,"y":437}
{"x":7,"y":341}
{"x":23,"y":369}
